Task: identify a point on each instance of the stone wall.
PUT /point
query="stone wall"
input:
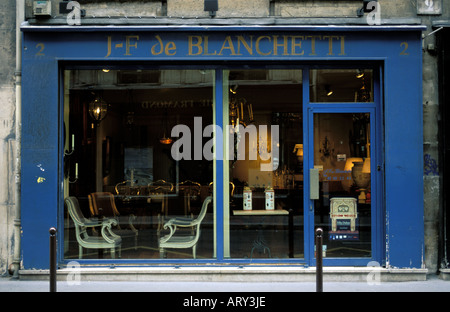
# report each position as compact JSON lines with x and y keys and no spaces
{"x":7,"y":130}
{"x":233,"y":9}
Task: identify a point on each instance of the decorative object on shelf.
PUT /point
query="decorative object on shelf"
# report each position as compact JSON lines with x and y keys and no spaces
{"x":348,"y":181}
{"x":247,"y":198}
{"x":327,"y":148}
{"x":241,"y":112}
{"x":298,"y":151}
{"x":270,"y":198}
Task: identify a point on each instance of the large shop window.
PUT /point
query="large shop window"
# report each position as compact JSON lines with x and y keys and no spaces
{"x":128,"y":192}
{"x":149,"y":174}
{"x":265,"y":218}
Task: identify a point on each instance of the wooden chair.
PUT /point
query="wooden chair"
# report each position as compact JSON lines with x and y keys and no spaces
{"x":190,"y":191}
{"x":103,"y":204}
{"x":175,"y":240}
{"x":107,"y":240}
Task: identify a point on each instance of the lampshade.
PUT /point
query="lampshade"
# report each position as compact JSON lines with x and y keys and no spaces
{"x":350,"y":161}
{"x":165,"y":140}
{"x":366,"y":166}
{"x":298,"y":150}
{"x":98,"y":109}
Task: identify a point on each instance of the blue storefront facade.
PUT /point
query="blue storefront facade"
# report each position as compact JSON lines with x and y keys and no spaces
{"x":387,"y":224}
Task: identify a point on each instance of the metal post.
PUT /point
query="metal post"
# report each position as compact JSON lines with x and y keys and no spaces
{"x":319,"y":260}
{"x":52,"y":259}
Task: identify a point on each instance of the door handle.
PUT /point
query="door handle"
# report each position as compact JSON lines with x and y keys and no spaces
{"x":313,"y":183}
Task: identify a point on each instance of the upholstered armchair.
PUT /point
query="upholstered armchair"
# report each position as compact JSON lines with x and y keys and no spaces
{"x":107,"y":240}
{"x":176,"y":240}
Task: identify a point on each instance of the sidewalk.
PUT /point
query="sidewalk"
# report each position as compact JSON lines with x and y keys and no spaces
{"x":432,"y":284}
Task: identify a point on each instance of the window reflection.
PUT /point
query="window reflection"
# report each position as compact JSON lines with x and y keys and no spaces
{"x":120,"y":162}
{"x":342,"y":155}
{"x":341,"y":85}
{"x":265,"y":217}
{"x":139,"y":162}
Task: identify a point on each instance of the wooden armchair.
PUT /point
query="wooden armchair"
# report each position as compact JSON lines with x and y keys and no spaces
{"x":103,"y":204}
{"x":175,"y":240}
{"x":107,"y":240}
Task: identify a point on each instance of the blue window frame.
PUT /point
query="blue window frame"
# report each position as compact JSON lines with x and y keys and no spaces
{"x":220,"y":119}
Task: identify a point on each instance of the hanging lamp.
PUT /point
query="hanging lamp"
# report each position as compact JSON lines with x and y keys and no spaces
{"x":165,"y":139}
{"x":98,"y":109}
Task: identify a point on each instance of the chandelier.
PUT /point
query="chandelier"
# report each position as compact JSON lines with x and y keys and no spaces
{"x":241,"y":112}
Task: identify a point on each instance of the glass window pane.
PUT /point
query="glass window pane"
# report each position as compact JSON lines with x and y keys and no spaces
{"x":265,"y":216}
{"x":343,"y":211}
{"x":341,"y":85}
{"x":130,"y":157}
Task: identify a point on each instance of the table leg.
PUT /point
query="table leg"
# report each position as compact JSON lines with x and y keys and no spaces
{"x":291,"y":233}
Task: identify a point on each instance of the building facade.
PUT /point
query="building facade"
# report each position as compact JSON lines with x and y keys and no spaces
{"x":181,"y":133}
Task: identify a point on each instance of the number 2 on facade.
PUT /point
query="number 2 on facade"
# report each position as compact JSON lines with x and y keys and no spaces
{"x":404,"y":45}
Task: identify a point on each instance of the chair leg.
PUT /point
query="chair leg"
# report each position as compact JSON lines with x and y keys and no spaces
{"x":158,"y":230}
{"x":113,"y":253}
{"x":194,"y":251}
{"x":80,"y":252}
{"x":162,"y":253}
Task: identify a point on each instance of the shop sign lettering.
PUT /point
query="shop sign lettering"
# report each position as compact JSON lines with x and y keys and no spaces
{"x":177,"y":104}
{"x":227,"y":46}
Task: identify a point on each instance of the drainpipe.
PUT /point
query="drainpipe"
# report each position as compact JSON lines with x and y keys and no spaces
{"x":20,"y":16}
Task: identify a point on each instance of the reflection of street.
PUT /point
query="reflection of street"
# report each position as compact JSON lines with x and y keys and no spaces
{"x":260,"y":244}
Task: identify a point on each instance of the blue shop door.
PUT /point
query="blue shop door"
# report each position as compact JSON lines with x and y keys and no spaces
{"x":342,"y":191}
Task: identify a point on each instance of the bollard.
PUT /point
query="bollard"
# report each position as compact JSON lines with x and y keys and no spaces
{"x":319,"y":260}
{"x":52,"y":259}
